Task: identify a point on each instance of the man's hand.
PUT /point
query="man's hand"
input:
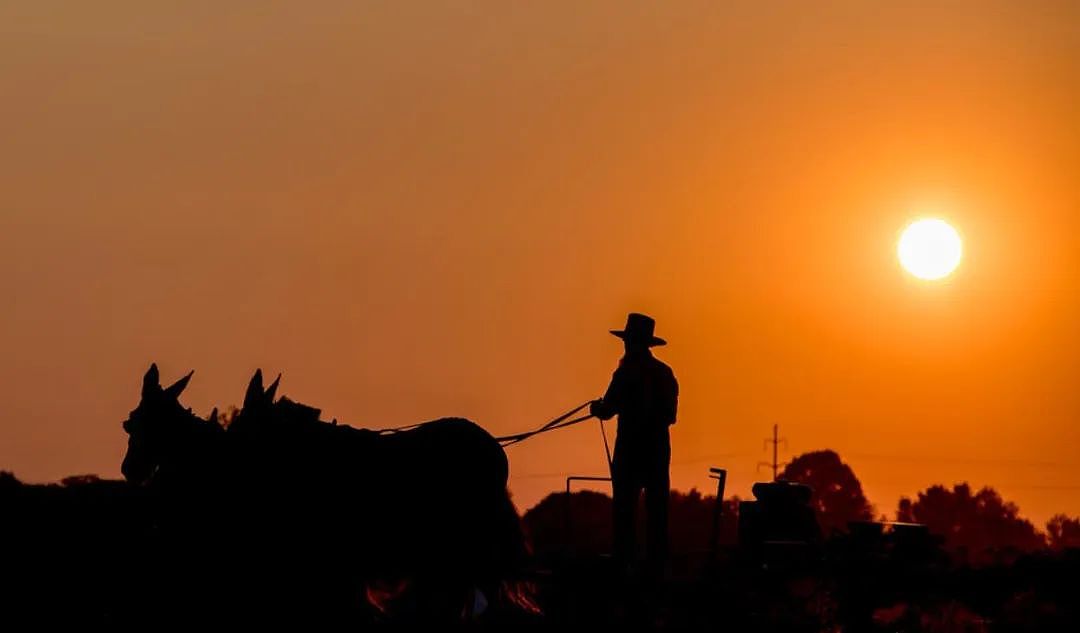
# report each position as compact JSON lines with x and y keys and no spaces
{"x":600,"y":409}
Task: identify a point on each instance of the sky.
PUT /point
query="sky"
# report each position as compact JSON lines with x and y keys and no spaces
{"x":417,"y":210}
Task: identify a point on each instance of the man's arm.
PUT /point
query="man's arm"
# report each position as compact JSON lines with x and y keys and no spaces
{"x":608,"y":406}
{"x":672,"y":399}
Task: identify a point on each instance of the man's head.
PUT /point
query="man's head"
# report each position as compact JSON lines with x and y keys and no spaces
{"x":638,"y":335}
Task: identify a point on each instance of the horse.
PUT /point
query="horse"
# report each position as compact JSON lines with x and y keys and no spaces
{"x":300,"y":517}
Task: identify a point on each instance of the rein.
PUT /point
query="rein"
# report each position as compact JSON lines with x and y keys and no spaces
{"x":560,"y":422}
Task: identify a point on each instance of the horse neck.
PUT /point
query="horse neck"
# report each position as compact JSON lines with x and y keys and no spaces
{"x":195,"y":449}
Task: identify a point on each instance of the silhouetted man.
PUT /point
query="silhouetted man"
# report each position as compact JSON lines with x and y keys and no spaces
{"x":644,"y":394}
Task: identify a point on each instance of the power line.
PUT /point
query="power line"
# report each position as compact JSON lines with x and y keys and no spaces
{"x":775,"y":441}
{"x":958,"y":459}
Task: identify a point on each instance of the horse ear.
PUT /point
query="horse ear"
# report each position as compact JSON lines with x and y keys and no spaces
{"x":174,"y":390}
{"x":272,"y":390}
{"x":151,"y":381}
{"x":213,"y":416}
{"x":254,"y":390}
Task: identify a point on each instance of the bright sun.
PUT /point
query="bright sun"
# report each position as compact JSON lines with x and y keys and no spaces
{"x":930,"y":249}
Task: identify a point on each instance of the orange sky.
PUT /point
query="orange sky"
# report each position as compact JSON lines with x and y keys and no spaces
{"x":428,"y":210}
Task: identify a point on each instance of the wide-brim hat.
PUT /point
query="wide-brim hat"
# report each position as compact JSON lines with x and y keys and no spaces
{"x":639,"y":329}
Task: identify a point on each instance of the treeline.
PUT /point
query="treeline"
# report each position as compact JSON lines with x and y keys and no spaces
{"x":974,"y":526}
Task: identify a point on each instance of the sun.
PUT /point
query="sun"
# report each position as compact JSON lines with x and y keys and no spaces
{"x":930,"y":249}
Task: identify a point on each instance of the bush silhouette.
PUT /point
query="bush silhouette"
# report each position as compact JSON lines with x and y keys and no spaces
{"x":690,"y":523}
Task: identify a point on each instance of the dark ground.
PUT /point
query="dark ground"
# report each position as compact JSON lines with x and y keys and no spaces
{"x":84,"y":554}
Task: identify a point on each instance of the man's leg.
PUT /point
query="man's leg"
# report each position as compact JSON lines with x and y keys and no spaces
{"x":626,"y":484}
{"x":657,"y":496}
{"x":624,"y":501}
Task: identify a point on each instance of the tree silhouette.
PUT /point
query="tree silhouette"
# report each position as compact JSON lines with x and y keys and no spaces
{"x":1063,"y":532}
{"x":977,"y":527}
{"x":838,"y":496}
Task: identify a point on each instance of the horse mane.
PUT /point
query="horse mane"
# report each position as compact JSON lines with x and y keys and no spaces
{"x":298,"y":412}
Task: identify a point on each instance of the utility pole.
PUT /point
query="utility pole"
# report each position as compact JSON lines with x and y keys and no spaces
{"x":775,"y":441}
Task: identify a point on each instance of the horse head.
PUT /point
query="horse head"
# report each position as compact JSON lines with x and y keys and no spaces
{"x":258,"y":403}
{"x":157,"y":427}
{"x":256,"y":399}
